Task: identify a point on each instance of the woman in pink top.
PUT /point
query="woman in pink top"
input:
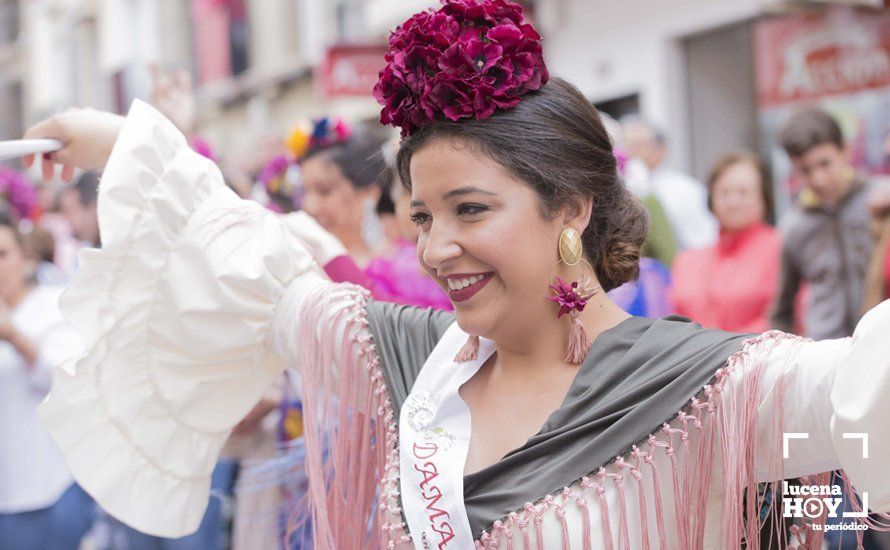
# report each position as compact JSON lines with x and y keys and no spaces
{"x":391,"y":276}
{"x":731,"y":284}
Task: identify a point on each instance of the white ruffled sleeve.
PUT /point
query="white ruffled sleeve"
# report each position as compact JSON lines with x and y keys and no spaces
{"x":821,"y":398}
{"x":860,"y":399}
{"x":176,"y":311}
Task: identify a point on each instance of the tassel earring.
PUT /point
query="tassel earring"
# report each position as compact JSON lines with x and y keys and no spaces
{"x":572,"y":297}
{"x":469,"y":351}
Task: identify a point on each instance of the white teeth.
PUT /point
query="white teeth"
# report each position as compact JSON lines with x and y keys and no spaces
{"x":458,"y":284}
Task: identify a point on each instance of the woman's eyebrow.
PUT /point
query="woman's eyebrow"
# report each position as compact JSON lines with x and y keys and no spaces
{"x":456,"y":193}
{"x":466,"y":191}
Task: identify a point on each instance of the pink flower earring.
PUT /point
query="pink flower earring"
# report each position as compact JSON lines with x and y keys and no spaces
{"x":572,"y":297}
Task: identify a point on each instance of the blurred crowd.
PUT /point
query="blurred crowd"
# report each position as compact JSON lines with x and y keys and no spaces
{"x":715,"y":253}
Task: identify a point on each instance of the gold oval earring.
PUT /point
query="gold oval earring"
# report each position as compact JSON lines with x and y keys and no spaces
{"x":571,"y":250}
{"x":572,"y":296}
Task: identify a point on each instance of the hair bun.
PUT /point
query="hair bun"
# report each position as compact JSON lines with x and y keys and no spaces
{"x":622,"y":230}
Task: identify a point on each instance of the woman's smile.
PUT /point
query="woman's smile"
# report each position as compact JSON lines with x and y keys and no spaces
{"x":463,"y":286}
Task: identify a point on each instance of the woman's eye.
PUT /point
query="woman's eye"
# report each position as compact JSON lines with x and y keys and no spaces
{"x":471,"y":209}
{"x":420,"y":218}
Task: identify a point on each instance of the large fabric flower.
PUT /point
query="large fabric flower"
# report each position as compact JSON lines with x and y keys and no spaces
{"x":568,"y":296}
{"x":466,"y":60}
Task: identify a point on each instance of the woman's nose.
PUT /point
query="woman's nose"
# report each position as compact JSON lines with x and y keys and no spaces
{"x":438,"y":247}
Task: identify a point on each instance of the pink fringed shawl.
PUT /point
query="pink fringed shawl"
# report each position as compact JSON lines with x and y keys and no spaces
{"x":352,"y":458}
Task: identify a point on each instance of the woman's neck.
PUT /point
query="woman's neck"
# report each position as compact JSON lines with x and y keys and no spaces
{"x":15,"y":296}
{"x":741,"y":230}
{"x":530,"y":354}
{"x":356,"y":247}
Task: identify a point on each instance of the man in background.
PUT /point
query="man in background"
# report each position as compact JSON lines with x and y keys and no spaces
{"x":683,"y":198}
{"x":827,"y":238}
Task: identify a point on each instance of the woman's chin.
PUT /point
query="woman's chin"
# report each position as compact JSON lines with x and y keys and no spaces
{"x":472,"y":323}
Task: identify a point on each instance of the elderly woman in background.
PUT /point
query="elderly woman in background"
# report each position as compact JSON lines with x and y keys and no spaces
{"x":731,"y":284}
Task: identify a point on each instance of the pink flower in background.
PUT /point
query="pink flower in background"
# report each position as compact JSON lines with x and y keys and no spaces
{"x":18,"y":193}
{"x":621,"y":160}
{"x":203,"y":148}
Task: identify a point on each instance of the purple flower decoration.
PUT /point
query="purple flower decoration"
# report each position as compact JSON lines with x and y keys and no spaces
{"x":18,"y":193}
{"x":466,"y":60}
{"x":568,"y":296}
{"x":273,"y":172}
{"x":281,"y":179}
{"x":621,"y":161}
{"x":327,"y":132}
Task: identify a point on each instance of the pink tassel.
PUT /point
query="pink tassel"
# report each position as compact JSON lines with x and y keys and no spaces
{"x":579,"y":342}
{"x":469,"y":351}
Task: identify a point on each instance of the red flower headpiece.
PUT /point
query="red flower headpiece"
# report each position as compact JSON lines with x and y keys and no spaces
{"x":465,"y":60}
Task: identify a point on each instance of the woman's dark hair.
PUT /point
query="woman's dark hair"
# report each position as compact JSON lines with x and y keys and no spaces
{"x":555,"y":141}
{"x":359,"y":158}
{"x":727,"y":161}
{"x":7,"y":219}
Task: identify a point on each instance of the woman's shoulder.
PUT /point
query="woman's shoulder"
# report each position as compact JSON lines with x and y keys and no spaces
{"x":678,"y":331}
{"x":690,"y":269}
{"x":692,"y":257}
{"x":769,"y":235}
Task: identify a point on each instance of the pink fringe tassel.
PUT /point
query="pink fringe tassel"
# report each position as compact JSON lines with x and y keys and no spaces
{"x":579,"y":342}
{"x":469,"y":351}
{"x":349,"y":427}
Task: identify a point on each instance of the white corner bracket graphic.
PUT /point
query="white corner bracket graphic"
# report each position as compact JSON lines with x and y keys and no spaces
{"x":857,"y":435}
{"x":786,"y":437}
{"x":791,"y":435}
{"x":864,"y":438}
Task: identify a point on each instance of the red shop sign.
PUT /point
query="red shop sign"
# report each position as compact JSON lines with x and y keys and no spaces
{"x":350,"y":70}
{"x":837,"y":52}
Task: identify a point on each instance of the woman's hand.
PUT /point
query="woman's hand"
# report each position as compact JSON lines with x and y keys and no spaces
{"x":256,"y":415}
{"x":175,"y":98}
{"x":88,"y":135}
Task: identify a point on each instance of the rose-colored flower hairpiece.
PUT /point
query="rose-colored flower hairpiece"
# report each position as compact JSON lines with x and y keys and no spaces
{"x":465,"y":60}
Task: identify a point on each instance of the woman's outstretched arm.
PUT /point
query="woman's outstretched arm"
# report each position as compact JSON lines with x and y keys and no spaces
{"x":192,"y":308}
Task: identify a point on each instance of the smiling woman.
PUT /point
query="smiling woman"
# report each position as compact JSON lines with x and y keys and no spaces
{"x":426,"y":429}
{"x":484,"y":200}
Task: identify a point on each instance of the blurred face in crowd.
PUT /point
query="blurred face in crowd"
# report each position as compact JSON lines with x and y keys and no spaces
{"x":332,"y":200}
{"x":482,"y":238}
{"x":736,"y":197}
{"x":640,"y":142}
{"x":83,"y":219}
{"x":825,"y":170}
{"x":15,"y":267}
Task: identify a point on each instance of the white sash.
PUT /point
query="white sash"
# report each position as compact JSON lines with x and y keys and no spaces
{"x":434,"y":438}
